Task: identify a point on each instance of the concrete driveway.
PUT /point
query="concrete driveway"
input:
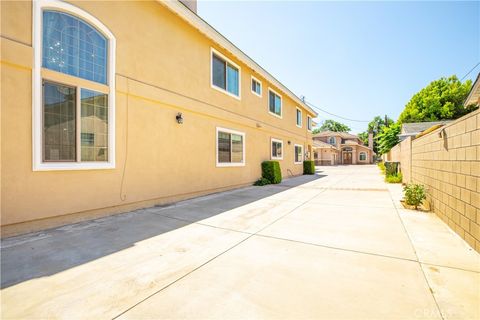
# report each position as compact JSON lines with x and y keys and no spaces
{"x":333,"y":246}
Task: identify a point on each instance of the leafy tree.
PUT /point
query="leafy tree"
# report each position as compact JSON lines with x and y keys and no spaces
{"x":363,"y":136}
{"x":388,"y":138}
{"x":378,"y":123}
{"x":332,"y":125}
{"x":442,"y":99}
{"x":375,"y":126}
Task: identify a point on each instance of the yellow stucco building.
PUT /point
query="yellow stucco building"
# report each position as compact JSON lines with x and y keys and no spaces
{"x":112,"y":106}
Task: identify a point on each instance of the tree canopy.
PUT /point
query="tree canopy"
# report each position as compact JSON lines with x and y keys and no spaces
{"x":332,"y":125}
{"x":375,"y":126}
{"x":388,"y":138}
{"x":442,"y":99}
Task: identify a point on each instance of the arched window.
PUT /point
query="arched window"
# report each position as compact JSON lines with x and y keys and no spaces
{"x":74,"y":89}
{"x":332,"y":141}
{"x":362,"y":156}
{"x":72,"y":46}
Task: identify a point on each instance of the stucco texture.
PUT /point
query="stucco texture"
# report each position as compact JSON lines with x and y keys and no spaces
{"x":162,"y":68}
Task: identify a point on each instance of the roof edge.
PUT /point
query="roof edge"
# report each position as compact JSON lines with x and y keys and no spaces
{"x":201,"y":25}
{"x":475,"y":87}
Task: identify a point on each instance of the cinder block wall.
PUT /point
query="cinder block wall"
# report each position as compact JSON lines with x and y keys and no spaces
{"x":406,"y":159}
{"x":449,"y":167}
{"x":394,"y":153}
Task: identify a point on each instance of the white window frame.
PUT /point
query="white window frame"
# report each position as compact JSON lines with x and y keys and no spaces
{"x":37,"y":101}
{"x":309,"y":123}
{"x":281,"y":103}
{"x":261,"y":86}
{"x":272,"y":140}
{"x":301,"y":117}
{"x":298,"y":162}
{"x":216,"y":52}
{"x":359,"y":156}
{"x":229,"y":164}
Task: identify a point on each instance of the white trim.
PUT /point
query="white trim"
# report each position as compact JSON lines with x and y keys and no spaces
{"x":216,"y":52}
{"x":294,"y":147}
{"x":229,"y":164}
{"x":198,"y":23}
{"x":252,"y":78}
{"x":301,"y":117}
{"x":37,"y":105}
{"x":281,"y":103}
{"x":309,"y":123}
{"x":272,"y":140}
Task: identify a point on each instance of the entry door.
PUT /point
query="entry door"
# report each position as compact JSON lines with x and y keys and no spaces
{"x":347,"y":157}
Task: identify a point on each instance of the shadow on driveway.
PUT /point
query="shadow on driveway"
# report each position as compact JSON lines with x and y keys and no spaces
{"x":51,"y":251}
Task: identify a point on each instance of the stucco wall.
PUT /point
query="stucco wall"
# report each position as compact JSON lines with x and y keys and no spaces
{"x":162,"y":67}
{"x":449,"y":167}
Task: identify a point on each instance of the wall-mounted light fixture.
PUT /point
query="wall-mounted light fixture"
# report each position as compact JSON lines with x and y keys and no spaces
{"x":289,"y":142}
{"x":179,"y":118}
{"x":441,"y":133}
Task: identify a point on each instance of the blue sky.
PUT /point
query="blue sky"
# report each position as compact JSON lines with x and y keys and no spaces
{"x":354,"y":59}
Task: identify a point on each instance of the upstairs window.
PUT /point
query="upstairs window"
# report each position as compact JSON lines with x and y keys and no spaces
{"x":277,"y":149}
{"x":73,"y":47}
{"x":256,"y":86}
{"x":298,"y":154}
{"x":225,"y":75}
{"x":274,"y":103}
{"x":230,"y":148}
{"x":299,"y":118}
{"x":73,"y":90}
{"x":309,"y":123}
{"x":332,"y":141}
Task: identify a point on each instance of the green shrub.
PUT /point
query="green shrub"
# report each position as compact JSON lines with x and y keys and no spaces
{"x":271,"y":171}
{"x":391,"y":168}
{"x":381,"y":165}
{"x":414,"y":194}
{"x":261,"y":182}
{"x":397,"y":178}
{"x":308,"y":167}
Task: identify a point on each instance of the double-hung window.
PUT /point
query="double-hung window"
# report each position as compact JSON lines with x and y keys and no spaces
{"x":363,"y":156}
{"x":230,"y":148}
{"x":277,"y":149}
{"x":225,"y":75}
{"x":256,"y":87}
{"x":299,"y":118}
{"x":332,"y":141}
{"x":274,"y":103}
{"x":73,"y":89}
{"x":298,"y":154}
{"x":309,"y":123}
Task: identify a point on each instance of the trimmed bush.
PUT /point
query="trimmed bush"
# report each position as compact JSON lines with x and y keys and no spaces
{"x":394,"y":178}
{"x":308,"y":167}
{"x":271,"y":171}
{"x":261,"y":182}
{"x":381,"y":165}
{"x":414,"y":194}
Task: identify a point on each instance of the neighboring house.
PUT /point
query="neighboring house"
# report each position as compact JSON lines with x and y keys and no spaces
{"x":474,"y":94}
{"x":415,"y":128}
{"x":112,"y":106}
{"x":331,"y":148}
